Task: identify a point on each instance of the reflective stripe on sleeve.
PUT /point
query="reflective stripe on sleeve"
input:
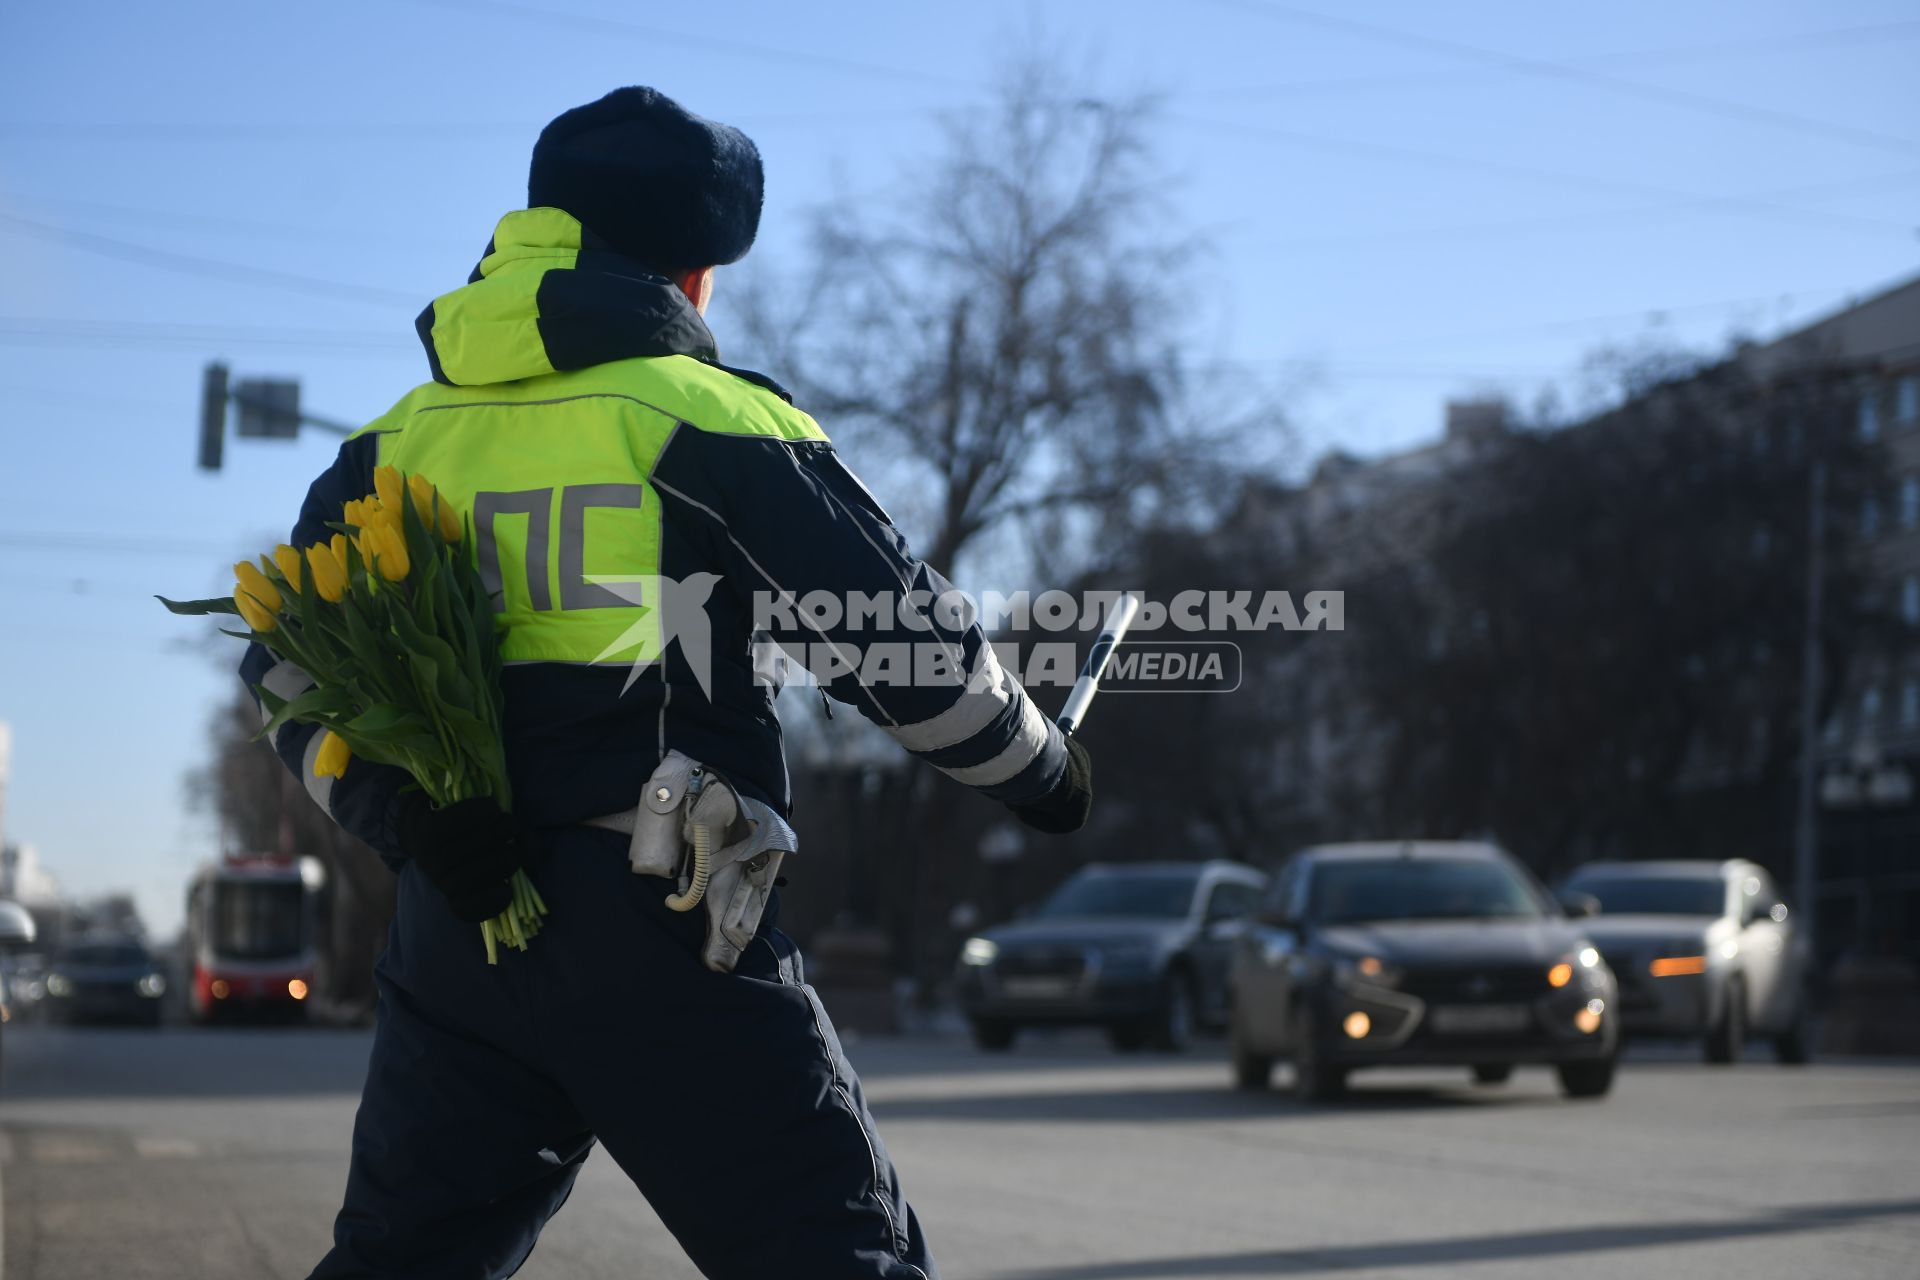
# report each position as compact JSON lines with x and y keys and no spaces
{"x":986,"y":694}
{"x":1029,"y":742}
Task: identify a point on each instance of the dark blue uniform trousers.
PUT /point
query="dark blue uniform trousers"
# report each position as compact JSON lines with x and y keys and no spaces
{"x":725,"y":1097}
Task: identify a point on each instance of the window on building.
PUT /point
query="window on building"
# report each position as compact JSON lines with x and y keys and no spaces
{"x":1869,"y":708}
{"x":1870,"y":517}
{"x":1910,"y":600}
{"x":1906,"y":400}
{"x":1870,"y":415}
{"x":1910,"y":502}
{"x":1910,"y":704}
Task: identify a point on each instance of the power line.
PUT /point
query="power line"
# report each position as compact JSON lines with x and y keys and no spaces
{"x":213,"y":268}
{"x":1526,"y":173}
{"x":386,"y":131}
{"x":59,"y":332}
{"x":719,"y":44}
{"x":128,"y":215}
{"x":252,"y":131}
{"x":109,"y":543}
{"x":1795,"y":41}
{"x":1571,"y":71}
{"x":200,"y":336}
{"x":1590,"y":216}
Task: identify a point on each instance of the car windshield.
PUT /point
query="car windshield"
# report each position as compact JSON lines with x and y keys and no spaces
{"x":1344,"y":892}
{"x":258,"y":920}
{"x":1655,"y":895}
{"x":1154,"y":894}
{"x":105,"y":953}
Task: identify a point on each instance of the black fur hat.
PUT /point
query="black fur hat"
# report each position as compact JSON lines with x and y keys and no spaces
{"x":656,"y":182}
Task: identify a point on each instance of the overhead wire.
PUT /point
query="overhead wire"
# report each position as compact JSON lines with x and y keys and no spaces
{"x":194,"y":264}
{"x":1795,"y":41}
{"x":1706,"y":103}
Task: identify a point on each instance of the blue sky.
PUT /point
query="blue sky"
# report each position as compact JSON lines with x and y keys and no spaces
{"x":1407,"y":201}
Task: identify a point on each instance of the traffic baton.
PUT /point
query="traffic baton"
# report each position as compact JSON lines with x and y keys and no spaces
{"x":1088,"y":684}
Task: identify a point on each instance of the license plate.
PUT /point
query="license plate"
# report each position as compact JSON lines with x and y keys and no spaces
{"x":1479,"y":1019}
{"x":1037,"y":988}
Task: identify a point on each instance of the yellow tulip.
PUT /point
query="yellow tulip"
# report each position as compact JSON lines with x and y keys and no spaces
{"x":339,"y":545}
{"x":250,"y":581}
{"x":260,"y":619}
{"x":330,"y":761}
{"x":329,"y":572}
{"x":387,"y":485}
{"x":389,"y":551}
{"x":449,"y":521}
{"x":420,"y":489}
{"x":287,"y":560}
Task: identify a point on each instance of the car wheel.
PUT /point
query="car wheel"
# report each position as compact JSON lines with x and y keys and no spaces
{"x":995,"y":1035}
{"x":1127,"y":1037}
{"x":1586,"y":1079}
{"x":1794,"y":1046}
{"x":1492,"y":1072}
{"x":1313,"y":1079}
{"x":1173,"y":1022}
{"x":1251,"y":1071}
{"x":1727,"y":1038}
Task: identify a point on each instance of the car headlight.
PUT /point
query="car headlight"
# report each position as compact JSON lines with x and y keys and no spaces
{"x":153,"y":986}
{"x":1583,"y":964}
{"x":58,"y":984}
{"x":1368,"y":969}
{"x":978,"y":951}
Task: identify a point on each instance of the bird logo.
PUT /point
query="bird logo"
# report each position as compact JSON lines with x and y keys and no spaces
{"x":670,"y":610}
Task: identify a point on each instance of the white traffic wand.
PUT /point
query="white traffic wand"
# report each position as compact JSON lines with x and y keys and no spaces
{"x":1089,"y":682}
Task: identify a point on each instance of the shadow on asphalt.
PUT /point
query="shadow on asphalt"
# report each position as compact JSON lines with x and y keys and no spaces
{"x":1451,"y":1251}
{"x":1186,"y":1104}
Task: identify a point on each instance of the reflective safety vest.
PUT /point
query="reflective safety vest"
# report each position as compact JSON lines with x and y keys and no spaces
{"x":629,"y":496}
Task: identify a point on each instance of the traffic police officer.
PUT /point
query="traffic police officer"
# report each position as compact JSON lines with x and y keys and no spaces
{"x":580,"y":416}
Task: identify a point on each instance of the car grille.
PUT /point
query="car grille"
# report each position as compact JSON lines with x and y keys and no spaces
{"x":1043,"y":962}
{"x":1478,"y":985}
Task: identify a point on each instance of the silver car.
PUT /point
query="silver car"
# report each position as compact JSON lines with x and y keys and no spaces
{"x":1700,"y":949}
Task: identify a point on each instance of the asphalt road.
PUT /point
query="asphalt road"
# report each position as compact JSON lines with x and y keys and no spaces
{"x":219,"y":1155}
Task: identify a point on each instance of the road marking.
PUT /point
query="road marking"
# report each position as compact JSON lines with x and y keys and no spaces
{"x":156,"y":1148}
{"x":50,"y":1148}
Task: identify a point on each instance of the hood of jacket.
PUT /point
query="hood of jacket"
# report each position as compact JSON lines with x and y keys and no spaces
{"x":549,"y":297}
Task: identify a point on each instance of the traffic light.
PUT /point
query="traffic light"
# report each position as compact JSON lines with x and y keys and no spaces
{"x":269,"y":408}
{"x":213,"y":415}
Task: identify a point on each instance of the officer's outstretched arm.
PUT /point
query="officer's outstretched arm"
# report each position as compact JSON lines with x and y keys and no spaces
{"x":789,"y":520}
{"x":366,"y":800}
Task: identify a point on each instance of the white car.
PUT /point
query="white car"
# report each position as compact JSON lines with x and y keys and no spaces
{"x":1700,"y":949}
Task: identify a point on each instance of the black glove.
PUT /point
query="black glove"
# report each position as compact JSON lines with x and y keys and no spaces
{"x":1064,"y":808}
{"x":467,"y":850}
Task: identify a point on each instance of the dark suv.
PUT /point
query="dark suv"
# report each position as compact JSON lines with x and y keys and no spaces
{"x":1139,"y":948}
{"x":1418,"y":953}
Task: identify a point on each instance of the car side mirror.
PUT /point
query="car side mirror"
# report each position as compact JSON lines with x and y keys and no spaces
{"x":17,"y":929}
{"x":1579,"y":906}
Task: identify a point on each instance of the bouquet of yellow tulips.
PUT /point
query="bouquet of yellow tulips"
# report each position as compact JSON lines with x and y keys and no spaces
{"x":393,"y":624}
